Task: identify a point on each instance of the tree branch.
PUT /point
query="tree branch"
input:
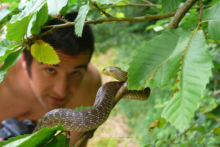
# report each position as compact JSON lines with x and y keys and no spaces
{"x":101,"y":10}
{"x":111,"y":19}
{"x":180,"y":13}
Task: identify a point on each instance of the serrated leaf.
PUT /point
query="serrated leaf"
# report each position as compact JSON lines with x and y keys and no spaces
{"x":15,"y":34}
{"x":169,"y":70}
{"x":80,"y":19}
{"x":107,"y":1}
{"x":44,"y":53}
{"x":37,"y":139}
{"x":147,"y":59}
{"x":41,"y":19}
{"x":212,"y":13}
{"x":194,"y":75}
{"x":170,"y":5}
{"x":55,"y":6}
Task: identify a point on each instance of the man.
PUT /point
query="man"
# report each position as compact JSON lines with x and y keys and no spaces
{"x":31,"y":89}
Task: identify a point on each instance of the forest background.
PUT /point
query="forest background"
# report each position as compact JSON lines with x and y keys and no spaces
{"x":171,"y":46}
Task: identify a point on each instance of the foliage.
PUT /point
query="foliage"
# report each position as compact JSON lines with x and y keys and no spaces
{"x":181,"y":66}
{"x":45,"y":137}
{"x":44,"y":52}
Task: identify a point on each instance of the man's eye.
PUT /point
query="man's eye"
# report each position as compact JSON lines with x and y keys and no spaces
{"x":76,"y":73}
{"x":50,"y":70}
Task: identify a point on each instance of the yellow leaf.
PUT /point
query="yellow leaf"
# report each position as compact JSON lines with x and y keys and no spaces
{"x":44,"y":53}
{"x":120,"y":15}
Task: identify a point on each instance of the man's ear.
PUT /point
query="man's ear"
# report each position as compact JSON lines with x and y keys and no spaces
{"x":23,"y":61}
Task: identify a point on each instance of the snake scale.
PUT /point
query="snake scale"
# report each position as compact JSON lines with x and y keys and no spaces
{"x":85,"y":120}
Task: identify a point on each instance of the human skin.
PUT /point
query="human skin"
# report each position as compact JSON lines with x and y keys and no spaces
{"x":69,"y":84}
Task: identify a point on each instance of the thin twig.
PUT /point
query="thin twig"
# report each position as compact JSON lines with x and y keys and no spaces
{"x":63,"y":19}
{"x":147,"y":1}
{"x":180,"y":13}
{"x":201,"y":8}
{"x":204,"y":6}
{"x":129,"y":5}
{"x":101,"y":10}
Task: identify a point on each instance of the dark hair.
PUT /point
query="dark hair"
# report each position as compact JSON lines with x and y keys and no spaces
{"x":64,"y":39}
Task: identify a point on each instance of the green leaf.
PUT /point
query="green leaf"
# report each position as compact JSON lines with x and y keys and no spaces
{"x":2,"y":74}
{"x":44,"y":53}
{"x":107,"y":1}
{"x":12,"y":59}
{"x":212,"y":13}
{"x":170,"y":5}
{"x":194,"y":75}
{"x":37,"y":139}
{"x":15,"y":34}
{"x":169,"y":70}
{"x":4,"y":13}
{"x":214,"y":30}
{"x":22,"y":20}
{"x":9,"y":61}
{"x":80,"y":19}
{"x":3,"y":47}
{"x":162,"y":122}
{"x":7,"y":47}
{"x":59,"y":141}
{"x":148,"y":58}
{"x":13,"y":139}
{"x":31,"y":7}
{"x":40,"y":20}
{"x":55,"y":6}
{"x":216,"y":131}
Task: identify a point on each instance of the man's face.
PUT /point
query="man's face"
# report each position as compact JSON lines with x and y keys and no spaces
{"x":55,"y":85}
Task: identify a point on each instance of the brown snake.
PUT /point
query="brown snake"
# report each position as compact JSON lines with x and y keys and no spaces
{"x":85,"y":120}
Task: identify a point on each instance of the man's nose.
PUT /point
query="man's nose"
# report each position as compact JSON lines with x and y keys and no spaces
{"x":61,"y":87}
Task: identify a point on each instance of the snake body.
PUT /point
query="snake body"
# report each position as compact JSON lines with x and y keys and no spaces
{"x":85,"y":120}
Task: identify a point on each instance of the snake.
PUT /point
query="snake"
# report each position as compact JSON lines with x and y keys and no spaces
{"x":107,"y":95}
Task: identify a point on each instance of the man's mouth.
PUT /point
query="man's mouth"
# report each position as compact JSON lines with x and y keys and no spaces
{"x":57,"y":100}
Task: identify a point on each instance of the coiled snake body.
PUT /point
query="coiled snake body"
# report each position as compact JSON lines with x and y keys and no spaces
{"x":85,"y":120}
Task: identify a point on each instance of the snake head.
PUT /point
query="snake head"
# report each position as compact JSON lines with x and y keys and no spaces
{"x":116,"y":73}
